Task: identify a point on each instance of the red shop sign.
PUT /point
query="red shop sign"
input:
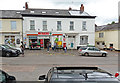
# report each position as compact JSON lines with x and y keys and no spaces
{"x":43,"y":33}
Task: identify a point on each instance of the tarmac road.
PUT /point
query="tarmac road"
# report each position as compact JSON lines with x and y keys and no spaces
{"x":38,"y":62}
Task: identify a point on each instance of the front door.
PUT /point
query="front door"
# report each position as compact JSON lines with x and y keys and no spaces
{"x":45,"y":42}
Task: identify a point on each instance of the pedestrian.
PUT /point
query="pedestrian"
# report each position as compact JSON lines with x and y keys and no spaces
{"x":55,"y":46}
{"x":65,"y":49}
{"x":22,"y":48}
{"x":48,"y":43}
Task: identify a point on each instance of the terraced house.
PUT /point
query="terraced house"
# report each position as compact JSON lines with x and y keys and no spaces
{"x":107,"y":36}
{"x":10,"y":27}
{"x":70,"y":27}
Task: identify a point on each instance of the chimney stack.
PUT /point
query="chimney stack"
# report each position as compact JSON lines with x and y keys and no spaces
{"x":82,"y":8}
{"x":70,"y":8}
{"x":26,"y":5}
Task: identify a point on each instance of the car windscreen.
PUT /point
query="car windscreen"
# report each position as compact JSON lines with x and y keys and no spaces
{"x":83,"y":48}
{"x":6,"y":46}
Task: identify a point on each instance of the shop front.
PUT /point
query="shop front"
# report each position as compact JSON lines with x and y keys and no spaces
{"x":58,"y":39}
{"x":12,"y":39}
{"x":38,"y":40}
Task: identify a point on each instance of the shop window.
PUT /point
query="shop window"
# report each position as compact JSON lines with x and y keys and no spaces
{"x":13,"y":25}
{"x":59,"y":28}
{"x":84,"y":26}
{"x":44,"y":25}
{"x":10,"y":40}
{"x":71,"y":25}
{"x":32,"y":25}
{"x":83,"y":40}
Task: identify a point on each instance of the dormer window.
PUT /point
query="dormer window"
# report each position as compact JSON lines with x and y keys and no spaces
{"x":43,"y":12}
{"x":31,"y":11}
{"x":18,"y":12}
{"x":57,"y":12}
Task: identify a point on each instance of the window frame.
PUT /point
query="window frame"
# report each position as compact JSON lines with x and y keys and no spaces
{"x":101,"y":35}
{"x":32,"y":25}
{"x":71,"y":26}
{"x":84,"y":27}
{"x":13,"y":26}
{"x":59,"y":25}
{"x":44,"y":25}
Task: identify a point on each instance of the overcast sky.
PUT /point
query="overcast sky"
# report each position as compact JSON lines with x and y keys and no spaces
{"x":105,"y":10}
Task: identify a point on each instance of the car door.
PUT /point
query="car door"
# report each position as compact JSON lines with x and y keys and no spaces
{"x":97,"y":51}
{"x":90,"y":51}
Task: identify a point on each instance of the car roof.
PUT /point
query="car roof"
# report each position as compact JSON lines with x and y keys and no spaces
{"x":92,"y":73}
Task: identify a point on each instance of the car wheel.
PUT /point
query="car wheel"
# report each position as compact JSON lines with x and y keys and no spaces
{"x":104,"y":54}
{"x":8,"y":54}
{"x":86,"y":54}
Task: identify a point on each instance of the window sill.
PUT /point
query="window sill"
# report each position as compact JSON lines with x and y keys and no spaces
{"x":59,"y":29}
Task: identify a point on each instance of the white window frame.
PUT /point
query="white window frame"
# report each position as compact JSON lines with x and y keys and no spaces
{"x":44,"y":25}
{"x":101,"y":35}
{"x":32,"y":24}
{"x":71,"y":25}
{"x":13,"y":25}
{"x":84,"y":40}
{"x":59,"y":27}
{"x":84,"y":28}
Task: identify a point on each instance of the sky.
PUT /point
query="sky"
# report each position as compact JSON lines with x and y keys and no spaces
{"x":105,"y":10}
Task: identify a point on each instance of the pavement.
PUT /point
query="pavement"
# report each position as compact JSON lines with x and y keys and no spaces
{"x":38,"y":62}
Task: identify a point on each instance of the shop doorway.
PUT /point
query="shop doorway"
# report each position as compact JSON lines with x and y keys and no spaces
{"x":45,"y":42}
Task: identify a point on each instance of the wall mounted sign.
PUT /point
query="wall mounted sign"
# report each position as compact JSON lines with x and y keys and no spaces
{"x":43,"y":33}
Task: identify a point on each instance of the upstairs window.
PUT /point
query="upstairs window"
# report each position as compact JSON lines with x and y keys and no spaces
{"x":71,"y":25}
{"x":59,"y":28}
{"x":32,"y":25}
{"x":101,"y":35}
{"x":84,"y":26}
{"x":44,"y":25}
{"x":13,"y":25}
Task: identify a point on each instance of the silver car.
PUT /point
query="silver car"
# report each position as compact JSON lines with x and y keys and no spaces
{"x":86,"y":51}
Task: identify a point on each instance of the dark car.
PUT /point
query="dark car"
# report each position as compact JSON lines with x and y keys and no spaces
{"x":6,"y":78}
{"x":78,"y":75}
{"x":6,"y":51}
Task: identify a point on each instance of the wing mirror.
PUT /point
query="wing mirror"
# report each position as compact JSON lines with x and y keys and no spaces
{"x":42,"y":77}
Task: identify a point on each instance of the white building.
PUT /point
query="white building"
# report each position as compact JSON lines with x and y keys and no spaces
{"x":70,"y":27}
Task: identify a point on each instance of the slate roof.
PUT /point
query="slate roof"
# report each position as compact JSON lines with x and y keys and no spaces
{"x":18,"y":14}
{"x":55,"y":12}
{"x":109,"y":27}
{"x":11,"y":14}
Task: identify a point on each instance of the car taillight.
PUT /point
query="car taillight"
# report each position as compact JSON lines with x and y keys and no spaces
{"x":117,"y":74}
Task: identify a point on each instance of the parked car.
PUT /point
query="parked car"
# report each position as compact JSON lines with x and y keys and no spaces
{"x":6,"y":78}
{"x":91,"y":51}
{"x":20,"y":50}
{"x":78,"y":75}
{"x":6,"y":51}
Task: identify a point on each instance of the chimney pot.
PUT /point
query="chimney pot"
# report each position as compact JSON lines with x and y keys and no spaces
{"x":82,"y":8}
{"x":70,"y":8}
{"x":26,"y":5}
